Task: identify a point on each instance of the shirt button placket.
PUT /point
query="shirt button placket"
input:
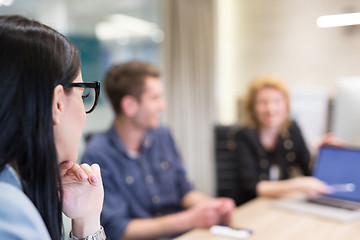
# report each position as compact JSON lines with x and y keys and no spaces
{"x":290,"y":157}
{"x":263,"y":176}
{"x":156,"y":199}
{"x":164,"y":165}
{"x":149,"y":179}
{"x":264,"y":163}
{"x":288,"y":144}
{"x":129,"y":180}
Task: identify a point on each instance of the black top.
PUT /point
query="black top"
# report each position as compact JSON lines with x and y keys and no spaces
{"x":253,"y":161}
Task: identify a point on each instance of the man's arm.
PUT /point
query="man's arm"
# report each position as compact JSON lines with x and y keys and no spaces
{"x":204,"y":214}
{"x":201,"y":211}
{"x":151,"y":228}
{"x":192,"y":198}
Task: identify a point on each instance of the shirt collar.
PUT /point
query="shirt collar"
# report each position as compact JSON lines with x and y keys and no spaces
{"x":9,"y":175}
{"x":117,"y":141}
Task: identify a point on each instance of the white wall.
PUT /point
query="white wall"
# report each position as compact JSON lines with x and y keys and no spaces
{"x":229,"y":58}
{"x":281,"y":37}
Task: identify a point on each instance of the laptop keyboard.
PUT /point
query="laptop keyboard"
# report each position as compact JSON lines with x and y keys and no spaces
{"x":339,"y":203}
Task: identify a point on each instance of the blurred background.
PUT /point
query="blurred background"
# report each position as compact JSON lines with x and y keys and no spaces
{"x":208,"y":51}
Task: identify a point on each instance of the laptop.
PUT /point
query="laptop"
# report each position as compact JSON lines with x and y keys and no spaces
{"x":340,"y":168}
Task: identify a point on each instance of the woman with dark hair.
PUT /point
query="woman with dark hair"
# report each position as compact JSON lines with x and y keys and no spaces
{"x":41,"y":117}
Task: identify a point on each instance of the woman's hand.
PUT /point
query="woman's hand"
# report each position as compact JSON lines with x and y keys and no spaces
{"x":83,"y":196}
{"x":310,"y":186}
{"x":330,"y":140}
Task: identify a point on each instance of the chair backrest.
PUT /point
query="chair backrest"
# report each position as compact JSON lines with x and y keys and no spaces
{"x":225,"y":150}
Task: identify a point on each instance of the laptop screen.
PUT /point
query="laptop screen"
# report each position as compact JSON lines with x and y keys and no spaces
{"x":340,"y":168}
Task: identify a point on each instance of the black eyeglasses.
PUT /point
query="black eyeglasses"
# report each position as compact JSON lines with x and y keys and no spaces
{"x":90,"y":95}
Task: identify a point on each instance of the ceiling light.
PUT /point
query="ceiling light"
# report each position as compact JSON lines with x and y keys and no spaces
{"x":6,"y":2}
{"x":338,"y":20}
{"x":121,"y":28}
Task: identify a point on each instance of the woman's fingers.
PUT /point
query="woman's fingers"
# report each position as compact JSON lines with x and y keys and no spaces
{"x":81,"y":172}
{"x":96,"y":169}
{"x":315,"y":187}
{"x":65,"y":166}
{"x":93,"y":172}
{"x":77,"y":172}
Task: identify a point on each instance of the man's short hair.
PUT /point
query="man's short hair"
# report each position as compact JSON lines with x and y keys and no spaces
{"x":127,"y":79}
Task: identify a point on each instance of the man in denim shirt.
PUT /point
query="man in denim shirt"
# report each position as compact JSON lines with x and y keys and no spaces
{"x":147,"y":194}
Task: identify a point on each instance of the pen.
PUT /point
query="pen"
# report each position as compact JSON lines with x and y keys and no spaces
{"x":231,"y":231}
{"x":345,"y":187}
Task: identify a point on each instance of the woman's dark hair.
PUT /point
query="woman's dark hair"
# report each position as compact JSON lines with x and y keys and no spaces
{"x":34,"y":59}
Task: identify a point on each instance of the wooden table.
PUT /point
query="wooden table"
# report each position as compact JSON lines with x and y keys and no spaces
{"x":271,"y":223}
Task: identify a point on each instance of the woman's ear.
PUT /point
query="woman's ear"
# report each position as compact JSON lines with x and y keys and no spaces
{"x":58,"y":104}
{"x":129,"y":105}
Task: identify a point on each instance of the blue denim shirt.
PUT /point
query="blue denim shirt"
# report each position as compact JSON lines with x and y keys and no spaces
{"x":144,"y":186}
